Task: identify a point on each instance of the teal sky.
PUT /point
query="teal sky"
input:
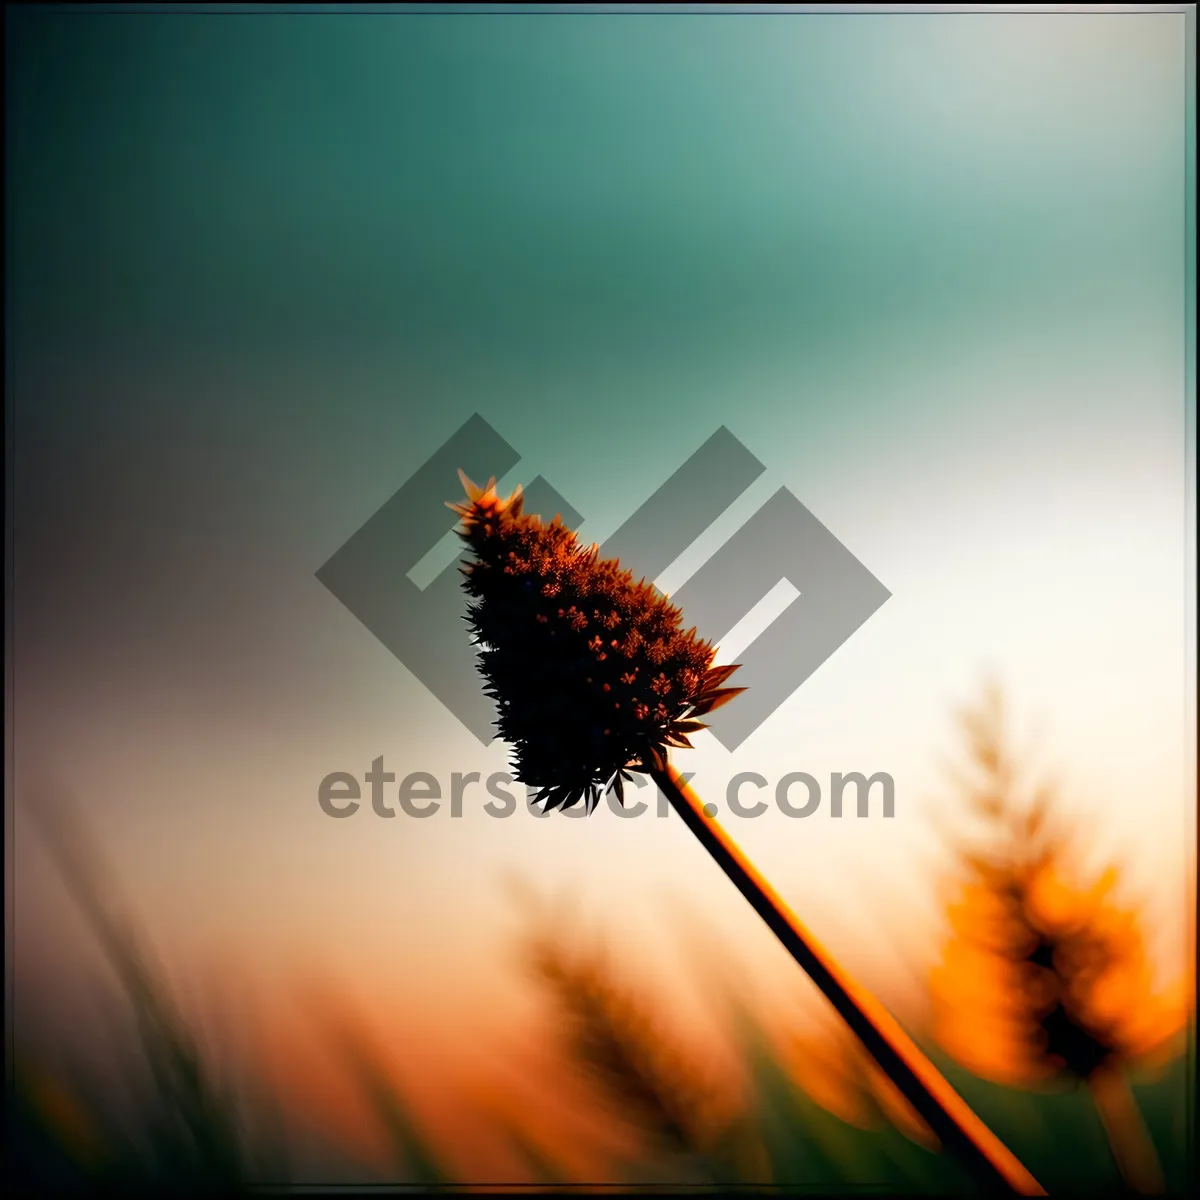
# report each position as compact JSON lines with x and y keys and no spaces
{"x":930,"y":269}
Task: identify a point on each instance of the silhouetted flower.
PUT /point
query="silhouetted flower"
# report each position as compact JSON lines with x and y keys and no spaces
{"x":592,"y":674}
{"x":594,"y":679}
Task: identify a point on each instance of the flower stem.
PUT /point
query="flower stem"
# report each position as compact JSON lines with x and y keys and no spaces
{"x":961,"y":1132}
{"x":1127,"y":1135}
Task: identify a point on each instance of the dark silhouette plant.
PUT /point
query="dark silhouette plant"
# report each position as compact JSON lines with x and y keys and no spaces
{"x":594,"y":678}
{"x":554,"y":621}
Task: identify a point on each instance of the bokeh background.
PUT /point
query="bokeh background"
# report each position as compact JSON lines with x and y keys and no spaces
{"x":933,"y":270}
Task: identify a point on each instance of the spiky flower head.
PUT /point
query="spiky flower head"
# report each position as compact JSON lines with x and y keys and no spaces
{"x":592,"y":674}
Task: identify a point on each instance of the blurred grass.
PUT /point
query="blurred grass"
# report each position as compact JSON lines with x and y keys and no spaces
{"x":413,"y":1157}
{"x":192,"y":1138}
{"x":623,"y":1047}
{"x":192,"y":1133}
{"x":806,"y":1124}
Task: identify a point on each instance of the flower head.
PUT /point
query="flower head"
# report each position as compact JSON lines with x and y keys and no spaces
{"x":1043,"y":977}
{"x":591,"y":671}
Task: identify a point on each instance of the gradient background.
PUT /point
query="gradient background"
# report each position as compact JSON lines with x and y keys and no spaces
{"x":930,"y":269}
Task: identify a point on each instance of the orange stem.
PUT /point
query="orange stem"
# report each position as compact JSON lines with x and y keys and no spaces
{"x":961,"y":1132}
{"x":1127,"y":1136}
